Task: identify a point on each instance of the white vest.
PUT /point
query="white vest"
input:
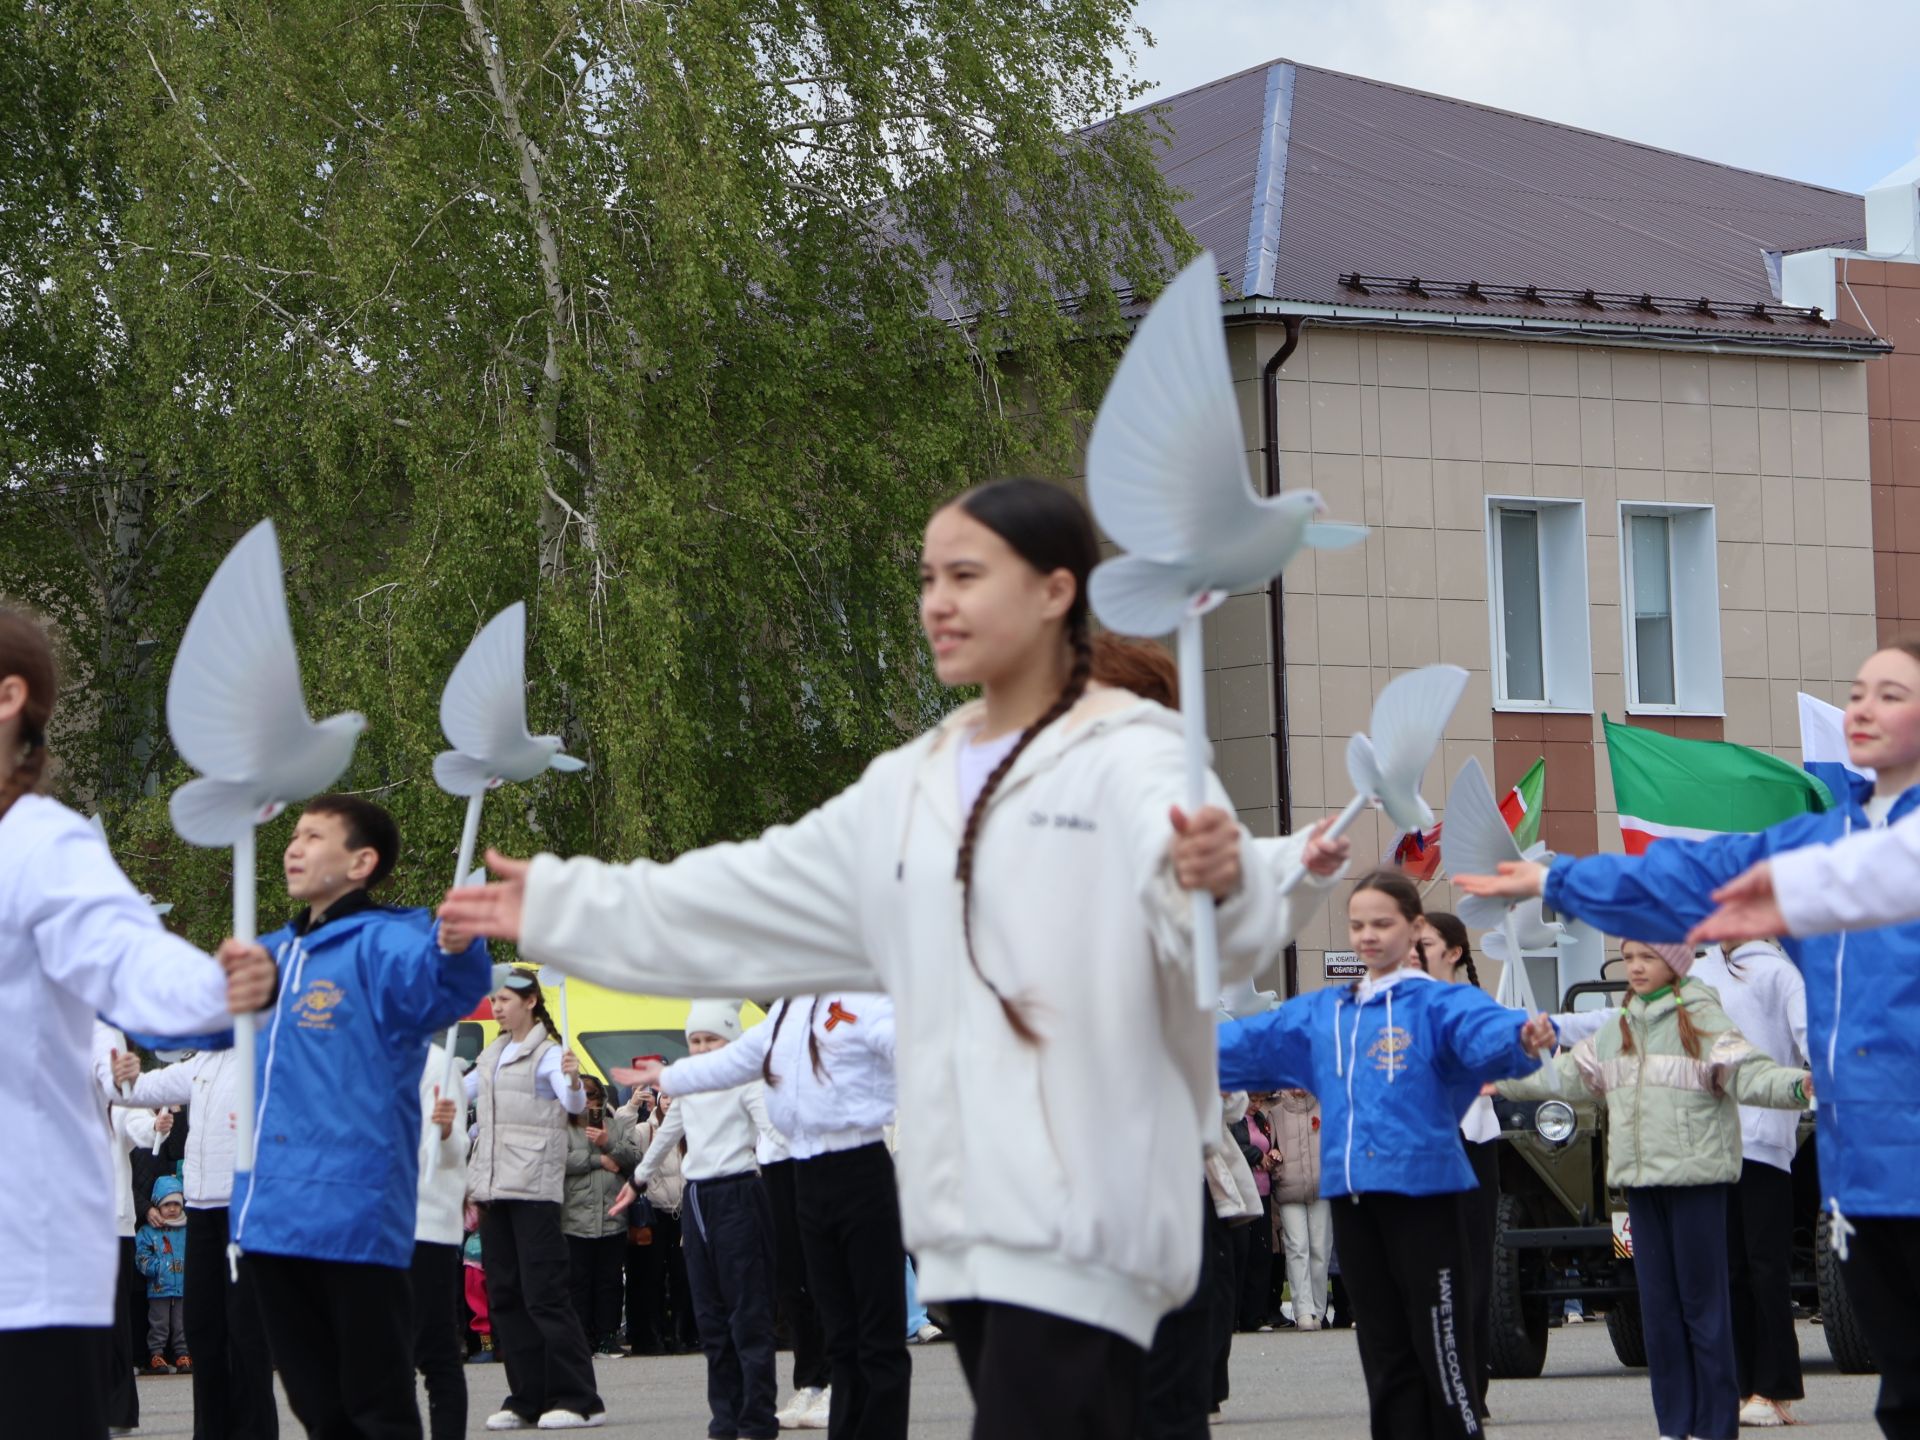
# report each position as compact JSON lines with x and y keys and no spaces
{"x":522,"y":1150}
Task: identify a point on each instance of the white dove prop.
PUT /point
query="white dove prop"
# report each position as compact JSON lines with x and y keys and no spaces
{"x":238,"y":715}
{"x":1475,"y":842}
{"x":483,"y":712}
{"x":1385,"y":765}
{"x":1168,"y":482}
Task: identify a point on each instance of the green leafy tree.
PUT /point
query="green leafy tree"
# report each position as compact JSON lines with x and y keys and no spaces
{"x":673,"y":319}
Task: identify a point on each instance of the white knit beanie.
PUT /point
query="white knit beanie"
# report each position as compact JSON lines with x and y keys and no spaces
{"x":715,"y":1017}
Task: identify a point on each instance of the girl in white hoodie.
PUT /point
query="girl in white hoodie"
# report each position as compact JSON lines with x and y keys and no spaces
{"x":1018,"y":880}
{"x":76,"y":941}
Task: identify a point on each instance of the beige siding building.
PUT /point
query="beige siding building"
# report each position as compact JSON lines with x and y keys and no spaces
{"x":1608,"y":468}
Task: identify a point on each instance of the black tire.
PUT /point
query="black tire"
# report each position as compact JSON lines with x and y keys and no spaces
{"x":1624,"y":1329}
{"x":1846,"y":1337}
{"x":1519,"y":1323}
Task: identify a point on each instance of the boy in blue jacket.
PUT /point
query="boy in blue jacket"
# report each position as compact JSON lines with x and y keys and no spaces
{"x":1396,"y":1059}
{"x":160,"y":1254}
{"x":1863,"y":1006}
{"x":325,"y":1217}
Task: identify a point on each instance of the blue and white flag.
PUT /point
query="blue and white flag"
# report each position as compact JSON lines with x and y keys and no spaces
{"x":1823,"y":746}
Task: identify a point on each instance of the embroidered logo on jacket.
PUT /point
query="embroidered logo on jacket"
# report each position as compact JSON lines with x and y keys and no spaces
{"x":314,"y":1009}
{"x":1389,"y":1050}
{"x":1039,"y":819}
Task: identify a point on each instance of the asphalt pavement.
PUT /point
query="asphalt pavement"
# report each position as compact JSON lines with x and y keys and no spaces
{"x":1284,"y":1384}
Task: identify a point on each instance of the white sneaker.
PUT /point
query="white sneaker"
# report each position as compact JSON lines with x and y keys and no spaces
{"x":1306,"y":1322}
{"x":794,"y":1411}
{"x":509,"y":1420}
{"x":572,"y":1420}
{"x":927,"y":1334}
{"x":1764,"y":1414}
{"x":818,"y":1413}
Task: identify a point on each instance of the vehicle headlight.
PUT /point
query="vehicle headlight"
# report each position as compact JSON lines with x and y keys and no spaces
{"x":1555,"y":1122}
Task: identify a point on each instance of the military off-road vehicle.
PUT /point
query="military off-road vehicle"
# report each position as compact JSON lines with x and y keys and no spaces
{"x":1563,"y":1234}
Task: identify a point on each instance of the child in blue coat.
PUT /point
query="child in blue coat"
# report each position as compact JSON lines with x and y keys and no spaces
{"x":1863,"y":1006}
{"x":1396,"y":1059}
{"x":324,"y":1214}
{"x":160,"y":1254}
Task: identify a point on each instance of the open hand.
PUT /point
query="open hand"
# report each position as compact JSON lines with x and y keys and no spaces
{"x":250,"y":975}
{"x":1537,"y":1036}
{"x":1324,"y":857}
{"x":1206,"y":851}
{"x":1748,"y":907}
{"x":621,"y":1201}
{"x":493,"y":910}
{"x":1517,"y":880}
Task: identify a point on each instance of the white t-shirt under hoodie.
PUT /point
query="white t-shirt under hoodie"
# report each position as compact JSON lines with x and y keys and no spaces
{"x":1007,"y":1196}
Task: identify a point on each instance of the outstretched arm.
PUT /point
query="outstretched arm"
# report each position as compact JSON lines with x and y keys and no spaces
{"x":1860,"y":883}
{"x":722,"y":1069}
{"x":1273,"y":1051}
{"x":774,"y":916}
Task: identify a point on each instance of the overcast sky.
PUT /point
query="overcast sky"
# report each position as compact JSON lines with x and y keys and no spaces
{"x":1820,"y":90}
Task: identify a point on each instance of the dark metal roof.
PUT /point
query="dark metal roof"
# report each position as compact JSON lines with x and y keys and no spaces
{"x":1339,"y":175}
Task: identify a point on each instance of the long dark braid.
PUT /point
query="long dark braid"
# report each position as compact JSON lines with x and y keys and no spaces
{"x":1049,"y":529}
{"x":813,"y":1043}
{"x":1070,"y":694}
{"x":24,"y":652}
{"x":1453,"y":935}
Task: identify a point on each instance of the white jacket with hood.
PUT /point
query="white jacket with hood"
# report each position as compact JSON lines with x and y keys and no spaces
{"x":208,"y":1083}
{"x":1011,"y":1193}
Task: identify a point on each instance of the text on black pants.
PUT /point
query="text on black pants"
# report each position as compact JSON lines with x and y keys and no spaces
{"x":727,"y":1231}
{"x":535,"y":1332}
{"x":1404,"y":1258}
{"x":342,"y":1339}
{"x":849,"y":1216}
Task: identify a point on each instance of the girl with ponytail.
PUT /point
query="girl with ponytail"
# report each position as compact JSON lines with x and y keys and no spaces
{"x":1018,"y":880}
{"x":76,"y":940}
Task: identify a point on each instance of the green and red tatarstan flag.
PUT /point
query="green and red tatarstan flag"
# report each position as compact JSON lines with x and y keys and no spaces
{"x":1670,"y":789}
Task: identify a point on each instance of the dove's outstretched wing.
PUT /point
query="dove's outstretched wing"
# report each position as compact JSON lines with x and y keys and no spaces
{"x":460,"y":774}
{"x":1136,"y":596}
{"x":215,"y":813}
{"x":1165,"y":470}
{"x":1409,"y":720}
{"x":234,"y":704}
{"x":1476,"y":840}
{"x":483,"y":710}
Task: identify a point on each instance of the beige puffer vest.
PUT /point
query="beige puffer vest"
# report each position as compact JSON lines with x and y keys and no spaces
{"x":522,"y":1150}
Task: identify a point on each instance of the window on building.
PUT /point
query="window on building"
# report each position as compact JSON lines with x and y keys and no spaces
{"x":1670,"y":610}
{"x":1538,"y":604}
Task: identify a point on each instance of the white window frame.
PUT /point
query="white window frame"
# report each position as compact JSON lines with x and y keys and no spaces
{"x":1566,"y":639}
{"x":1694,"y":593}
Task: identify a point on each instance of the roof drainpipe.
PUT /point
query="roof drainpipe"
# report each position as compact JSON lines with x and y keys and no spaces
{"x":1276,"y":600}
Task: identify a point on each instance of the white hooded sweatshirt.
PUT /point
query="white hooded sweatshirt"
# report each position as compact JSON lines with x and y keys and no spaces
{"x":1012,"y":1192}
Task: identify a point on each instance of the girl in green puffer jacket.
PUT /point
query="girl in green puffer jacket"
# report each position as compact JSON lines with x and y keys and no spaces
{"x":1674,"y":1072}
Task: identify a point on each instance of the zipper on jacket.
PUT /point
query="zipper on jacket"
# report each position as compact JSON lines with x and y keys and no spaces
{"x":1353,"y":1055}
